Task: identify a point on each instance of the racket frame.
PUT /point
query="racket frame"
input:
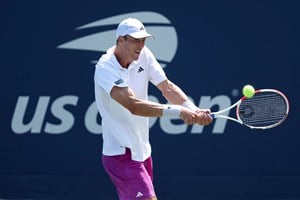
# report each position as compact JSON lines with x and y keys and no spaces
{"x":218,"y":114}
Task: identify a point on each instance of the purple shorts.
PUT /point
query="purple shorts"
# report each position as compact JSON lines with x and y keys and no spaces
{"x":132,"y":179}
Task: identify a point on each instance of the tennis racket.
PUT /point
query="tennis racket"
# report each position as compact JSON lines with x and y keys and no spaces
{"x":268,"y":108}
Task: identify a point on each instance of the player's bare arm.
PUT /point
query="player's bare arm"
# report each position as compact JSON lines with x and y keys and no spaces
{"x":172,"y":92}
{"x":126,"y":98}
{"x":176,"y":96}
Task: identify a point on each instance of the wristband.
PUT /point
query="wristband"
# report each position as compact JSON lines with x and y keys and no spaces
{"x":171,"y":110}
{"x":188,"y":104}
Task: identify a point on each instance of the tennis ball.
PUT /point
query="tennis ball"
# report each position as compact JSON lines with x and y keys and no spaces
{"x":248,"y":91}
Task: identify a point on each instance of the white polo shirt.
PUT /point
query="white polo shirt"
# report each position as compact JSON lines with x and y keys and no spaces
{"x":120,"y":128}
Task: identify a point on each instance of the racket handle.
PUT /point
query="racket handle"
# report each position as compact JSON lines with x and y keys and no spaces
{"x":212,"y":115}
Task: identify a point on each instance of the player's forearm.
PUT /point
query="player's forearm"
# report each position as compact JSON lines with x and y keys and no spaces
{"x":174,"y":94}
{"x":146,"y":108}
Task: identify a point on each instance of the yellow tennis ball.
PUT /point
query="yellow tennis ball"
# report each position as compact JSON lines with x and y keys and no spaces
{"x":248,"y":91}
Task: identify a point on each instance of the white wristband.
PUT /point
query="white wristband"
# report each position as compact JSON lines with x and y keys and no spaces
{"x":171,"y":110}
{"x":188,"y":104}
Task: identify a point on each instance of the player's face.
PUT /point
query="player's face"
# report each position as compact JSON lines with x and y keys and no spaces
{"x":134,"y":46}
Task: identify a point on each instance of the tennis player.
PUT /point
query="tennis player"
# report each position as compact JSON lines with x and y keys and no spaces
{"x":121,"y":82}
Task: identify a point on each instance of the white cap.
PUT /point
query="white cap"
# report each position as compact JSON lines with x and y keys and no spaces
{"x":132,"y":27}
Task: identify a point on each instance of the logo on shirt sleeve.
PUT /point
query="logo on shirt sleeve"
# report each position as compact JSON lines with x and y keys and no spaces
{"x":118,"y":82}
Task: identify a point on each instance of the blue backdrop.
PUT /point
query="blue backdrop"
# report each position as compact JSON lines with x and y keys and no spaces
{"x":50,"y":134}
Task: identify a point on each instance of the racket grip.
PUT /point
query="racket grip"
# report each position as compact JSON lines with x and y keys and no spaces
{"x":212,"y":115}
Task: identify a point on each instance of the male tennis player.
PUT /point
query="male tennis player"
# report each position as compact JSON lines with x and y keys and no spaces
{"x":121,"y":80}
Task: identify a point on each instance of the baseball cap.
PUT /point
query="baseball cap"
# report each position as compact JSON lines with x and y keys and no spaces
{"x":132,"y":27}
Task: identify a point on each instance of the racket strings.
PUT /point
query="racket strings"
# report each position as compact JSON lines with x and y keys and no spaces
{"x":263,"y":109}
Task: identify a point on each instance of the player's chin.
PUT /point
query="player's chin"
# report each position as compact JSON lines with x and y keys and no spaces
{"x":137,"y":55}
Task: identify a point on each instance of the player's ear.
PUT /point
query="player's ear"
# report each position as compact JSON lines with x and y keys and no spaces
{"x":121,"y":39}
{"x":118,"y":40}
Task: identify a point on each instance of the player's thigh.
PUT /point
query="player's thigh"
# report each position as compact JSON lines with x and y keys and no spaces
{"x":131,"y":178}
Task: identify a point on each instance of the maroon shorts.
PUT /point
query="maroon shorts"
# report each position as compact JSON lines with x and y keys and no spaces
{"x":132,"y":179}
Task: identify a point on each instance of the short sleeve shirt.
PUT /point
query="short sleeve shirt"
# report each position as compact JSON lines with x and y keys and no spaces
{"x":120,"y":128}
